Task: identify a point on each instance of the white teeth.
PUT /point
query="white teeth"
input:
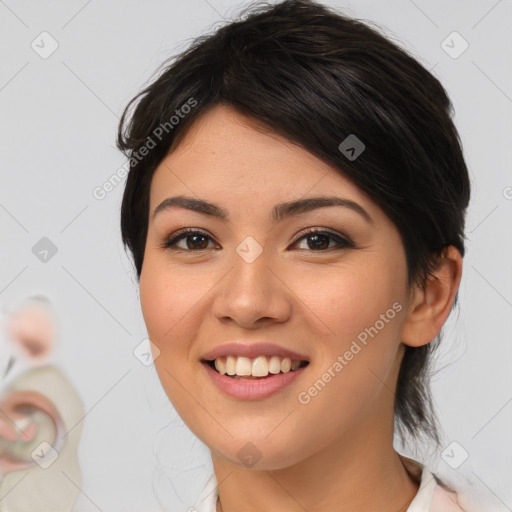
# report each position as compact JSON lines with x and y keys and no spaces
{"x":259,"y":366}
{"x":230,"y":365}
{"x":286,"y":365}
{"x":220,"y":366}
{"x":274,"y":365}
{"x":243,"y":366}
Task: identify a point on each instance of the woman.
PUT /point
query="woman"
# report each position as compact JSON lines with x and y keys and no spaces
{"x":295,"y":211}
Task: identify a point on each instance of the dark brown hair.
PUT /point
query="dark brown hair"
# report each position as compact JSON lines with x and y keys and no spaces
{"x":316,"y":76}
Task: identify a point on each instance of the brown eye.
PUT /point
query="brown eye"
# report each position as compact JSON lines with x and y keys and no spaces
{"x":193,"y":241}
{"x":319,"y":240}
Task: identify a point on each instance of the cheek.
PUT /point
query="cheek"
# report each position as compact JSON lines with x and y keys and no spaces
{"x":344,"y":302}
{"x":356,"y":314}
{"x":169,"y":301}
{"x":173,"y":303}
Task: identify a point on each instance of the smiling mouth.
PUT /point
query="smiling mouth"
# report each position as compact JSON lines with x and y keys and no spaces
{"x":211,"y":364}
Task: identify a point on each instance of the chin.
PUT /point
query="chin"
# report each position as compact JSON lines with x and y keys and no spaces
{"x":258,"y":453}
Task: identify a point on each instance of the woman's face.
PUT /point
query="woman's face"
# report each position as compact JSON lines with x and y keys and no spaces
{"x":250,"y":278}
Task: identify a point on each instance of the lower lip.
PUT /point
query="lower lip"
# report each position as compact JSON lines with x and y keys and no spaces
{"x":253,"y":389}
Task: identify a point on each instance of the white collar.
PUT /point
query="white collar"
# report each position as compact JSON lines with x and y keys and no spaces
{"x":207,"y":499}
{"x":423,"y":498}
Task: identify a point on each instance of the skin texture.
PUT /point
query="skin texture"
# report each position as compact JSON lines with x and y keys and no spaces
{"x":335,"y":452}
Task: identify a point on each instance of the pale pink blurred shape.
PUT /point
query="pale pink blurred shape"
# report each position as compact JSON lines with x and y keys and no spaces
{"x":31,"y":328}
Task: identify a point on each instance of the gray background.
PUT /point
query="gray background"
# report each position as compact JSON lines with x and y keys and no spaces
{"x":58,"y":122}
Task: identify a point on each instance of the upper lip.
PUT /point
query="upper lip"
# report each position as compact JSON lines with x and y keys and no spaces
{"x":252,"y":350}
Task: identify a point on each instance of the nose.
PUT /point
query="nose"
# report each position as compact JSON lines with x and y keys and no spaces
{"x":252,"y":294}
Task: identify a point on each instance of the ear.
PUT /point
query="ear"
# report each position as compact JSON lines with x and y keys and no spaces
{"x":431,"y":303}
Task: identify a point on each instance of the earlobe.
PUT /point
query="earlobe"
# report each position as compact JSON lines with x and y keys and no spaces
{"x":431,"y":303}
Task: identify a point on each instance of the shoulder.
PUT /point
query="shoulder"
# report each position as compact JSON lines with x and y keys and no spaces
{"x":444,"y":500}
{"x":433,"y":494}
{"x":207,"y":499}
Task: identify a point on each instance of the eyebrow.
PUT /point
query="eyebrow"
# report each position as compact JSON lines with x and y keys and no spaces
{"x":280,"y":211}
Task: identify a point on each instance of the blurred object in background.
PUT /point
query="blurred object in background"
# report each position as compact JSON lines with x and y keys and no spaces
{"x":40,"y":415}
{"x":28,"y":337}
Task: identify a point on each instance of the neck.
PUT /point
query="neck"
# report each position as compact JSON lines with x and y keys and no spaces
{"x":362,"y":474}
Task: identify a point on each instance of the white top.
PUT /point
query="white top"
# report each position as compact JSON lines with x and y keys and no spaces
{"x":432,"y":496}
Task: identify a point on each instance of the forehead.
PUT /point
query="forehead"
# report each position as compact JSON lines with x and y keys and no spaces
{"x":227,"y":155}
{"x":225,"y":136}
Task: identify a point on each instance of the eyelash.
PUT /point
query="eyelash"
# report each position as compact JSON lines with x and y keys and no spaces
{"x":342,"y":241}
